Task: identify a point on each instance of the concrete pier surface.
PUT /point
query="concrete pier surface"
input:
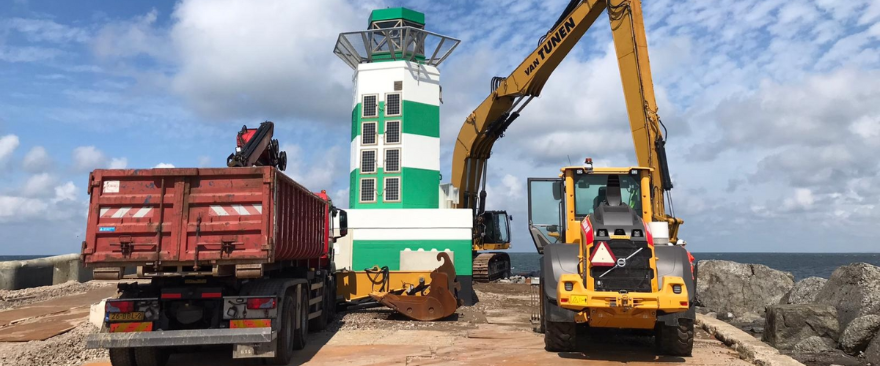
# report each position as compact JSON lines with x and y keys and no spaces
{"x":48,"y":326}
{"x":494,"y":332}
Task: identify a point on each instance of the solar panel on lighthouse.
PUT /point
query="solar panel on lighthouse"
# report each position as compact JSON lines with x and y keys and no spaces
{"x":602,"y":256}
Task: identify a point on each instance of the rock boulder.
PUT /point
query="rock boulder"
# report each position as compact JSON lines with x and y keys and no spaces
{"x":853,"y":289}
{"x":859,"y":333}
{"x":804,"y":291}
{"x":738,"y":288}
{"x":788,"y":325}
{"x":872,"y":354}
{"x":814,"y":344}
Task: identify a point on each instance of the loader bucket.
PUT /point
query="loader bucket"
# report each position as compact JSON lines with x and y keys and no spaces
{"x":440,"y":301}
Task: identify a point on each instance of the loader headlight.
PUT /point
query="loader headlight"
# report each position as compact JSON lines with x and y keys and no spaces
{"x":676,"y":289}
{"x":569,"y":286}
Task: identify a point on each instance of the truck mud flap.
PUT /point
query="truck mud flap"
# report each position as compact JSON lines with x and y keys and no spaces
{"x":440,"y":302}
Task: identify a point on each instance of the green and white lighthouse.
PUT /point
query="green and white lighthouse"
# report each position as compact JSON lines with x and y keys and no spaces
{"x":398,"y":216}
{"x":395,"y":117}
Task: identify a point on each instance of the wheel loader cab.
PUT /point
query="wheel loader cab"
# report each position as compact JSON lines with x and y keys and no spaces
{"x":556,"y":212}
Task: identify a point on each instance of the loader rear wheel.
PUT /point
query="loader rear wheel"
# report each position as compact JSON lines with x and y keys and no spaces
{"x":151,"y":356}
{"x":676,"y":340}
{"x":122,"y":357}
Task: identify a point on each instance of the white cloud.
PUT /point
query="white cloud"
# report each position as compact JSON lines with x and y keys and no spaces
{"x":65,"y":192}
{"x":28,"y":54}
{"x":237,"y":60}
{"x":118,"y":163}
{"x":39,"y":185}
{"x":43,"y":30}
{"x":87,"y":158}
{"x":131,"y":38}
{"x":19,"y":209}
{"x":64,"y":205}
{"x":164,"y":165}
{"x":8,"y":144}
{"x":37,"y":160}
{"x":315,"y":175}
{"x":340,"y":198}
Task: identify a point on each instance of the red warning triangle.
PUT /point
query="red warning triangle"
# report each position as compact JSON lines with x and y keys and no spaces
{"x":602,"y":256}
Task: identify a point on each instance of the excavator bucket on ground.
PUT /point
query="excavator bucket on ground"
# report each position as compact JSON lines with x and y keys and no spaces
{"x":439,"y":301}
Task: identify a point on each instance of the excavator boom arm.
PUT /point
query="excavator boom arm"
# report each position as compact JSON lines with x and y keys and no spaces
{"x":488,"y":121}
{"x":509,"y":95}
{"x":631,"y":46}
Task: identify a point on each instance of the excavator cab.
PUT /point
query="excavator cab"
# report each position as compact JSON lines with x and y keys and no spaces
{"x":495,"y":229}
{"x":491,"y":232}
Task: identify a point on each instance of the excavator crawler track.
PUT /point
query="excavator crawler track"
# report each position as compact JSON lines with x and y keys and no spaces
{"x":491,"y":266}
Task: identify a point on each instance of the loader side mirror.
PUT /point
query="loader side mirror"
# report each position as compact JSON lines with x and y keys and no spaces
{"x":557,"y":190}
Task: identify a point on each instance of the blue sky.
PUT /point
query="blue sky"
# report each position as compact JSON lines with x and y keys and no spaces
{"x":771,"y":106}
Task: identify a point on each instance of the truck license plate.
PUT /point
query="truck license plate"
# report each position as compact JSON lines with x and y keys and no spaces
{"x":577,"y":300}
{"x":126,"y":316}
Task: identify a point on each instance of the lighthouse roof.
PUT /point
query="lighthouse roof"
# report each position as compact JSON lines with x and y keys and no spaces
{"x":405,"y":14}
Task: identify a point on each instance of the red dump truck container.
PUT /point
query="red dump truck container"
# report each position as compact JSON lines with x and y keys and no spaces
{"x":202,"y":220}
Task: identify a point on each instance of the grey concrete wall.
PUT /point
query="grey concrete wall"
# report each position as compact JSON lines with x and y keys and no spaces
{"x":15,"y":275}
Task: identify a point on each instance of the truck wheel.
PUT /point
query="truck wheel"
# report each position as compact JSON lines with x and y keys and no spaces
{"x":122,"y":357}
{"x":299,"y":335}
{"x":320,"y":323}
{"x":151,"y":356}
{"x":284,"y":347}
{"x":676,"y":340}
{"x":558,"y":336}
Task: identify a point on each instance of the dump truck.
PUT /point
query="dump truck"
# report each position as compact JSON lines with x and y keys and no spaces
{"x":238,"y":256}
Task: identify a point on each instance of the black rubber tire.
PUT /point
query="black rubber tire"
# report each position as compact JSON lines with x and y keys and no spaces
{"x":122,"y":357}
{"x":284,"y":348}
{"x":151,"y":356}
{"x":560,"y":337}
{"x":320,"y":323}
{"x":300,"y":335}
{"x":676,"y":340}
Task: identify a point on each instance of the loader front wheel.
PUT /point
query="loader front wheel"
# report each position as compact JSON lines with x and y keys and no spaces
{"x":559,"y":337}
{"x":676,"y":340}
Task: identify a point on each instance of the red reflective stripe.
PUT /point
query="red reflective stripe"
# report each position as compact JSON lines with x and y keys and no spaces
{"x":211,"y":295}
{"x":171,"y":296}
{"x":587,"y":229}
{"x":131,"y":327}
{"x":648,"y":234}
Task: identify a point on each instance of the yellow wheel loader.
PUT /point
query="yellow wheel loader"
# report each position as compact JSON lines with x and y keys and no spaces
{"x":605,"y":264}
{"x":608,"y":243}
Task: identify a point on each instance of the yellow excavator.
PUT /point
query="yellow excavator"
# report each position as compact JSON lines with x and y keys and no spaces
{"x":608,"y":242}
